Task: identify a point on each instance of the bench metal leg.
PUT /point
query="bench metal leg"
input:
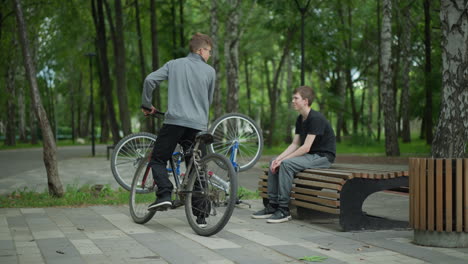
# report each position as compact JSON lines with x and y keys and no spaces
{"x":353,"y":194}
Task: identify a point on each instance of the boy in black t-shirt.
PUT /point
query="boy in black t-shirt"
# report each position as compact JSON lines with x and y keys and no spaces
{"x":313,"y":146}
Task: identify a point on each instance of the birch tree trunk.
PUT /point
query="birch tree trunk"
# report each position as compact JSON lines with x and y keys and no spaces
{"x":218,"y":109}
{"x":50,"y":158}
{"x":428,"y":72}
{"x":231,"y":54}
{"x":405,"y":70}
{"x":391,"y":139}
{"x":451,"y":134}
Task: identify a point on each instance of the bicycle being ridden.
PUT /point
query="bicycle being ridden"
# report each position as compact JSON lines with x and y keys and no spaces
{"x":207,"y":188}
{"x":206,"y":185}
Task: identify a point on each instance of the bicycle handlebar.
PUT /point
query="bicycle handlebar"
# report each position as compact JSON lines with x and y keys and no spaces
{"x":154,"y":114}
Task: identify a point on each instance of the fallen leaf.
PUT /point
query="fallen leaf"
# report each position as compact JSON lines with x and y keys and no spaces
{"x":359,"y":249}
{"x":60,"y":252}
{"x":324,"y":248}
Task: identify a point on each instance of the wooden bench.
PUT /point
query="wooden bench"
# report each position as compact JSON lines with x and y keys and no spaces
{"x":342,"y":190}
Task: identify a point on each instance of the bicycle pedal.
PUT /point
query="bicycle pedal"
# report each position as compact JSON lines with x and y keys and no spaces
{"x":176,"y":203}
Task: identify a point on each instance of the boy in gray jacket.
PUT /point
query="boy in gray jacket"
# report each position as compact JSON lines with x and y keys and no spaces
{"x":190,"y":93}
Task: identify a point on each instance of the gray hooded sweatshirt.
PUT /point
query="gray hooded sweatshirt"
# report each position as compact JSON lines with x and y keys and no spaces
{"x":190,"y":91}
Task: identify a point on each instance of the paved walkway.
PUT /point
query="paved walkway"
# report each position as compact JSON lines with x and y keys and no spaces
{"x":106,"y":234}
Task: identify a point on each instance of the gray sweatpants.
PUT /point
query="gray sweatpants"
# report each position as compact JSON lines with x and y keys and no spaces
{"x":280,"y":184}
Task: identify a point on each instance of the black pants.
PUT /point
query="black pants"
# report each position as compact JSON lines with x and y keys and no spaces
{"x":167,"y":140}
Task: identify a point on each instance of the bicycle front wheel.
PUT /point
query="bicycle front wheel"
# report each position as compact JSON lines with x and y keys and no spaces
{"x":127,"y":154}
{"x":235,"y":128}
{"x":142,"y":193}
{"x":211,"y":196}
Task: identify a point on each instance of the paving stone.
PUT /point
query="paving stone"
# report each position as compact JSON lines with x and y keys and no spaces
{"x":17,"y":221}
{"x":297,"y":252}
{"x":58,"y":250}
{"x":85,"y":246}
{"x":30,"y":259}
{"x":8,"y":259}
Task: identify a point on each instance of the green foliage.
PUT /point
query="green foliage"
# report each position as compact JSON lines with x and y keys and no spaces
{"x":340,"y":36}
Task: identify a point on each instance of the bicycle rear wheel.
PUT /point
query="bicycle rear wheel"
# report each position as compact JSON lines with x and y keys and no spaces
{"x":142,"y":193}
{"x":237,"y":128}
{"x":127,"y":154}
{"x":211,"y":195}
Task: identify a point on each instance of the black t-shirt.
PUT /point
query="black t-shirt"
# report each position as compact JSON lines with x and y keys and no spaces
{"x":325,"y":141}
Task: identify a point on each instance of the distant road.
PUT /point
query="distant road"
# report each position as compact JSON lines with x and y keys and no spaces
{"x":20,"y":160}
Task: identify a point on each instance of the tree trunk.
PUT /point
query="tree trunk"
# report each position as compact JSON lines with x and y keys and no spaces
{"x":428,"y":71}
{"x":50,"y":159}
{"x":391,"y":139}
{"x":289,"y":90}
{"x":273,"y":91}
{"x":247,"y":84}
{"x":10,"y":133}
{"x":119,"y":60}
{"x":405,"y":70}
{"x":181,"y":26}
{"x":379,"y":72}
{"x":451,"y":135}
{"x":33,"y":125}
{"x":104,"y":67}
{"x":231,"y":54}
{"x":217,"y":104}
{"x":155,"y":64}
{"x":174,"y":29}
{"x":22,"y":115}
{"x":341,"y":108}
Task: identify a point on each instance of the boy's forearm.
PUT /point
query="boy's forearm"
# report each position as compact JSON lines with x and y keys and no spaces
{"x":290,"y":149}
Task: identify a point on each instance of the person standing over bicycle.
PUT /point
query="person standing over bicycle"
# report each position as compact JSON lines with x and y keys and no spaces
{"x":313,"y":146}
{"x":190,"y":94}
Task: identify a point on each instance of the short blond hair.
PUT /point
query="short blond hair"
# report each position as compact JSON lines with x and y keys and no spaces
{"x":199,"y":41}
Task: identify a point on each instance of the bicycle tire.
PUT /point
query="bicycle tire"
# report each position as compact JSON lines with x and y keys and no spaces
{"x":127,"y":154}
{"x":234,"y":126}
{"x":216,"y":201}
{"x":139,"y":193}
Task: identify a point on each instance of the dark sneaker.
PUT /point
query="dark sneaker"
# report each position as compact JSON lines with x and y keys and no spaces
{"x":201,"y":221}
{"x":161,"y":204}
{"x":264,"y":213}
{"x":281,"y":215}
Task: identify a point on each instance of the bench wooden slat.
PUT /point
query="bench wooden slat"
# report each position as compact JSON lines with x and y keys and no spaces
{"x":448,"y":195}
{"x":439,"y":196}
{"x":465,"y":191}
{"x":321,"y":178}
{"x":316,"y":192}
{"x":331,"y":203}
{"x":459,"y":199}
{"x":416,"y":193}
{"x":318,"y":184}
{"x":430,"y":195}
{"x":328,"y":172}
{"x":264,"y":177}
{"x":411,"y":193}
{"x":316,"y":207}
{"x":298,"y":190}
{"x":422,"y":192}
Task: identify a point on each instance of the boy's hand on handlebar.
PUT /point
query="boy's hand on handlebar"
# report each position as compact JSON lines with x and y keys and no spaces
{"x":148,"y":111}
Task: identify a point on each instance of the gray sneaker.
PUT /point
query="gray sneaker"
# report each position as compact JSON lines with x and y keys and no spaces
{"x":281,"y":215}
{"x":265,"y":213}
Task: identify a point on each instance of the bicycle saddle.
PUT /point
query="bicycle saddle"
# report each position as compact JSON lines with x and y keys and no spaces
{"x":204,"y":137}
